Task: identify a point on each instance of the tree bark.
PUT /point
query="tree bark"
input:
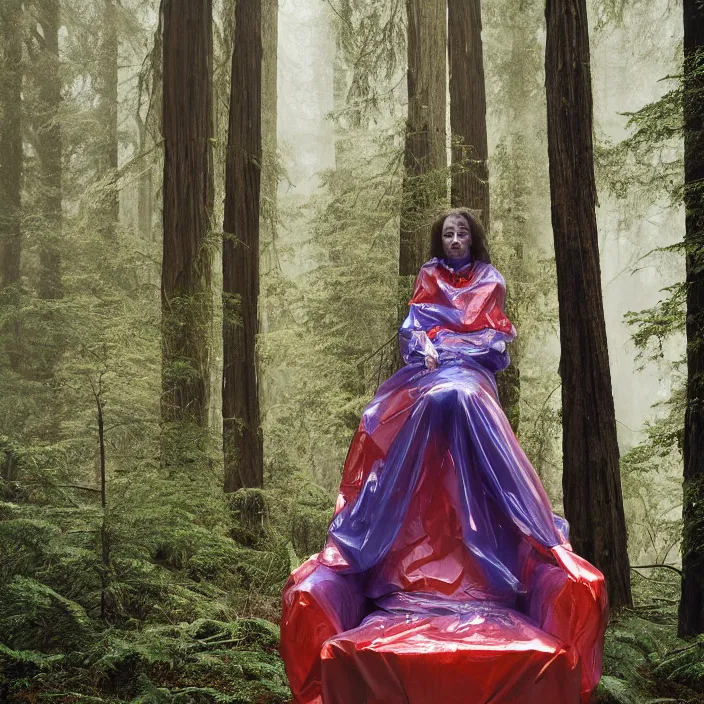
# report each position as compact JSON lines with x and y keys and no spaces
{"x":425,"y":151}
{"x":591,"y":480}
{"x":425,"y":155}
{"x":188,"y":201}
{"x":242,"y":440}
{"x":470,"y":150}
{"x":11,"y":165}
{"x":691,"y":609}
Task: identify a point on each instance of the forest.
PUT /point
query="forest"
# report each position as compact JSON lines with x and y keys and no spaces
{"x":212,"y":213}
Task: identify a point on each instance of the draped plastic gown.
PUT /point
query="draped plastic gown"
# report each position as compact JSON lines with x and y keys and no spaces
{"x":446,"y":578}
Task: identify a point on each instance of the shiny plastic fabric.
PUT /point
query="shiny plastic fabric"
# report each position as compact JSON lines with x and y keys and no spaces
{"x":446,"y":576}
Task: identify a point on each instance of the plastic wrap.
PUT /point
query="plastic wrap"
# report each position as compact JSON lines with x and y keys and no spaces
{"x":445,"y":567}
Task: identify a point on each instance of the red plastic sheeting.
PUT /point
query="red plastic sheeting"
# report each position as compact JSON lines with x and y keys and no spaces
{"x":484,"y":655}
{"x":425,"y":648}
{"x":446,"y":577}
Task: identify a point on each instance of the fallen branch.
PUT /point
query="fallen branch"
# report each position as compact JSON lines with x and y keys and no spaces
{"x":647,"y":567}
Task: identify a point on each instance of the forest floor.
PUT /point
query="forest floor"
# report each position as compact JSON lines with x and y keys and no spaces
{"x":193,"y":618}
{"x":644,"y":660}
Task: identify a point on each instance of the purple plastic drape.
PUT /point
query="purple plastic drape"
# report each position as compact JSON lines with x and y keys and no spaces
{"x":440,"y":515}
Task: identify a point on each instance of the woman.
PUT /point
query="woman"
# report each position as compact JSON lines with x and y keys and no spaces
{"x":443,"y":535}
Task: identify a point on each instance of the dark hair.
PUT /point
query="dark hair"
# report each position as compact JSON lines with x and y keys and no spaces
{"x":479,"y":248}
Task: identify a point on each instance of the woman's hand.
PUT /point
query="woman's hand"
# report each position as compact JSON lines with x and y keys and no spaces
{"x":431,"y":362}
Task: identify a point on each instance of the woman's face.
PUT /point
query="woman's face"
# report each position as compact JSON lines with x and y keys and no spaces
{"x":456,"y":237}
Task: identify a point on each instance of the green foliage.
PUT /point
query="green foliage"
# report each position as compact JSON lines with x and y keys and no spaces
{"x":644,"y":172}
{"x":34,"y":616}
{"x":521,"y":237}
{"x":685,"y":666}
{"x":23,"y":543}
{"x":652,"y":485}
{"x":612,"y":690}
{"x":167,"y":614}
{"x":309,"y":518}
{"x":655,"y":325}
{"x":331,"y":351}
{"x":171,"y":592}
{"x":371,"y":52}
{"x":644,"y":660}
{"x":204,"y":661}
{"x":525,"y":262}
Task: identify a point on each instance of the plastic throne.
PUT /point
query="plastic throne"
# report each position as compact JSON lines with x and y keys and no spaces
{"x":423,"y":647}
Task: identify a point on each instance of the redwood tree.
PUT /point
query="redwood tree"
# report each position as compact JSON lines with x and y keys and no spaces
{"x":691,"y":610}
{"x":188,"y":200}
{"x":425,"y":150}
{"x":470,"y":175}
{"x":425,"y":158}
{"x":470,"y":150}
{"x":591,"y":480}
{"x":242,"y":440}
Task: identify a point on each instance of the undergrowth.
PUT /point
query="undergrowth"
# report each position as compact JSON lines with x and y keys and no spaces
{"x":644,"y":660}
{"x":184,"y":610}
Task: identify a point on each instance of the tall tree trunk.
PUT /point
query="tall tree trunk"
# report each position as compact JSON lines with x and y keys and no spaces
{"x":470,"y":150}
{"x":11,"y":165}
{"x":425,"y":154}
{"x":691,"y":610}
{"x":107,"y":147}
{"x":188,"y":200}
{"x":242,"y":441}
{"x":591,"y":479}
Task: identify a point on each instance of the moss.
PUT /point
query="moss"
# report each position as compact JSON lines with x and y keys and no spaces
{"x":309,"y":527}
{"x":250,"y":511}
{"x":684,"y":666}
